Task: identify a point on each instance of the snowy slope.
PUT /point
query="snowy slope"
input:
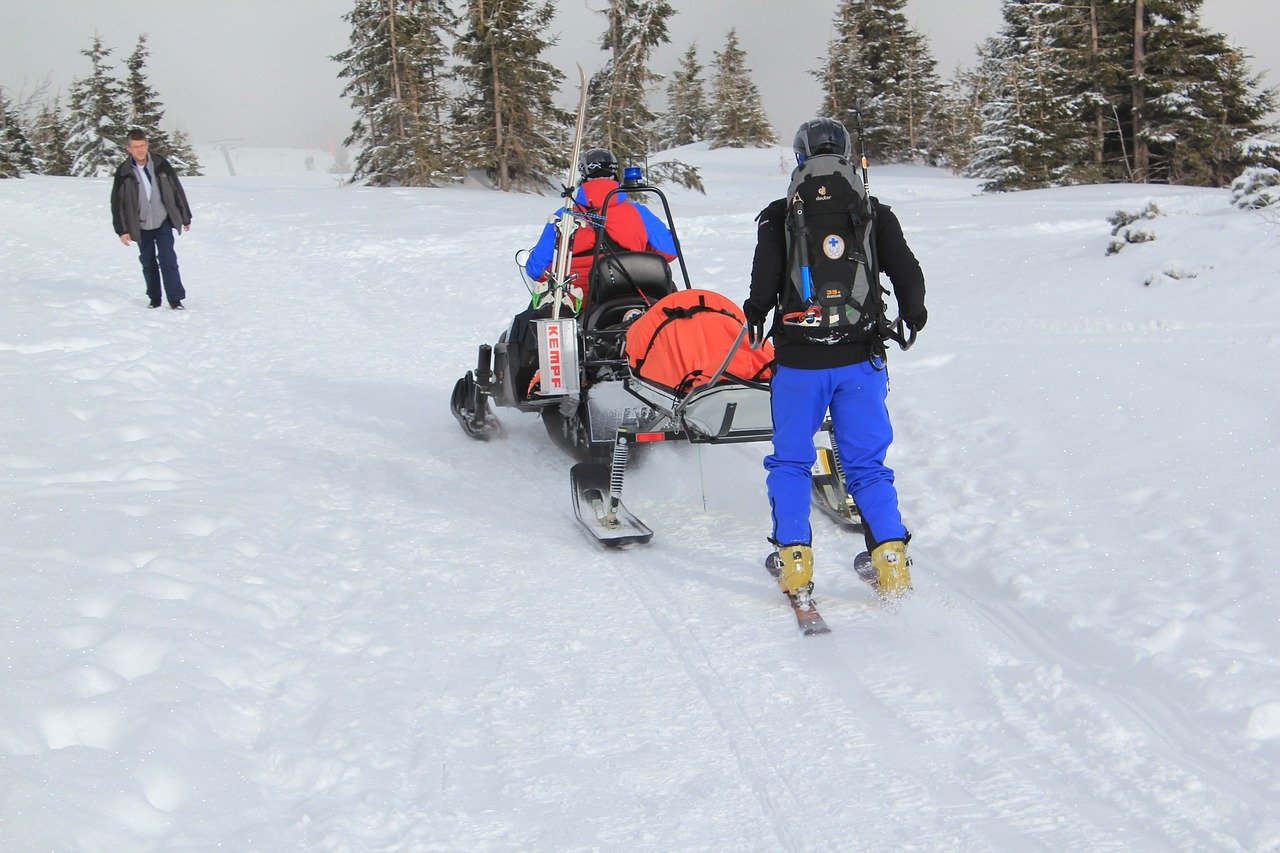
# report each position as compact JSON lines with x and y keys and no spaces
{"x":261,"y":592}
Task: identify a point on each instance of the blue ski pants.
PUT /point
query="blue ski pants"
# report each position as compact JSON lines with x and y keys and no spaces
{"x":160,"y":261}
{"x":855,"y":395}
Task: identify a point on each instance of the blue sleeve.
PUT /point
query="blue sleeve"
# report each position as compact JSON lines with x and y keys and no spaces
{"x":541,"y":255}
{"x":659,"y":235}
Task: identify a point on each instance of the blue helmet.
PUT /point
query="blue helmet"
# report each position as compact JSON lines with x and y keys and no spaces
{"x":821,"y":136}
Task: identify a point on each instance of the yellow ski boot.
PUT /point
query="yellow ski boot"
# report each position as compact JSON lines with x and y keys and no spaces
{"x":795,"y":568}
{"x":893,"y":569}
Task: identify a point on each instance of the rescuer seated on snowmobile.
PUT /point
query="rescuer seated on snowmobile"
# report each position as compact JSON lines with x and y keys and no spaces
{"x":624,"y":226}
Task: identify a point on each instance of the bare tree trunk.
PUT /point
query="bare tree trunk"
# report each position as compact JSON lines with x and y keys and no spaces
{"x":1140,"y":151}
{"x":911,"y":106}
{"x":395,"y":67}
{"x":1100,"y":127}
{"x":504,"y":170}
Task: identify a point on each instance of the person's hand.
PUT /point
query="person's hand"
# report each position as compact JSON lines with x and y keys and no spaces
{"x":186,"y":227}
{"x":755,"y":325}
{"x":126,"y":239}
{"x":917,"y":320}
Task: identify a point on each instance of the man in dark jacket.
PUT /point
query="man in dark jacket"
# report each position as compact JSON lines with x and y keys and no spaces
{"x":147,"y":205}
{"x":848,"y":377}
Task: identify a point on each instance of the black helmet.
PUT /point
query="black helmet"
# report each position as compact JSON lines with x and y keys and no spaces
{"x":598,"y":163}
{"x":821,"y":136}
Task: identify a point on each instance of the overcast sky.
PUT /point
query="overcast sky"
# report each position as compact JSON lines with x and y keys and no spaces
{"x":258,"y":70}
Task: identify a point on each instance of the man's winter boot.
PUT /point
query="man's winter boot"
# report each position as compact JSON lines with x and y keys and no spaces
{"x":893,"y":569}
{"x":795,"y":565}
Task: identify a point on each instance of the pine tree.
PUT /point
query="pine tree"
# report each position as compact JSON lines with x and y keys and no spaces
{"x":49,"y":139}
{"x":395,"y":65}
{"x":16,"y":156}
{"x":686,"y":118}
{"x":182,"y":157}
{"x":146,"y":113}
{"x":737,"y":114}
{"x":880,"y":66}
{"x":1132,"y":90}
{"x":1198,"y":101}
{"x":1097,"y":65}
{"x":618,"y":114}
{"x":959,"y":117}
{"x":506,"y":120}
{"x":97,"y":107}
{"x":1032,"y":134}
{"x":145,"y":110}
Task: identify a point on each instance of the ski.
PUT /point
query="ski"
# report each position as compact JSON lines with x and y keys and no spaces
{"x":602,"y":515}
{"x":866,"y":571}
{"x":558,"y":283}
{"x":470,"y":405}
{"x":830,"y":490}
{"x":808,"y":619}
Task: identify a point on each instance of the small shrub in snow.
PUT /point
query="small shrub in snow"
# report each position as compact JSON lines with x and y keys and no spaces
{"x":1174,"y":271}
{"x":1256,"y":187}
{"x":1122,"y":219}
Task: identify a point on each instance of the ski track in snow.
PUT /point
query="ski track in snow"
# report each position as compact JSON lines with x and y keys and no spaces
{"x":262,"y":593}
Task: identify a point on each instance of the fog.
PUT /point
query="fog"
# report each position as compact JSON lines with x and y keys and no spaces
{"x":258,"y":71}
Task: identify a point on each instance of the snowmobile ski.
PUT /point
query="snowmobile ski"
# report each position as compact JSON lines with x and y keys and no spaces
{"x":470,"y":405}
{"x":808,"y":619}
{"x":604,"y":517}
{"x":830,"y":492}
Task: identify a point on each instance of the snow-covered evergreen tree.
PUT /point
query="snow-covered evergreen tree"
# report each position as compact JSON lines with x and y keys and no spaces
{"x":686,"y":116}
{"x":738,"y":119}
{"x":1200,"y":102}
{"x":428,"y":90}
{"x":618,"y":114}
{"x":97,"y":105}
{"x":1032,"y":134}
{"x":49,"y":140}
{"x":146,"y":113}
{"x":145,"y":110}
{"x":396,"y":68}
{"x":181,"y":155}
{"x":16,"y":155}
{"x":959,"y":117}
{"x":506,"y":121}
{"x":1152,"y":95}
{"x":876,"y":63}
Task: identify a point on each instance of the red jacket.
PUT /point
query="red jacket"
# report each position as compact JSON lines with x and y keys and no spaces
{"x":622,"y":222}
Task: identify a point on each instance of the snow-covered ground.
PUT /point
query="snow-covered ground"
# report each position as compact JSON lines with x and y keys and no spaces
{"x":261,"y":593}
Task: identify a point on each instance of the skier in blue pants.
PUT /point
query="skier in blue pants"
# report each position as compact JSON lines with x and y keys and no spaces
{"x":855,"y":395}
{"x":845,"y":375}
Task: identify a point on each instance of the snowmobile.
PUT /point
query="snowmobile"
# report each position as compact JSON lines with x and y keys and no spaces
{"x":609,"y":379}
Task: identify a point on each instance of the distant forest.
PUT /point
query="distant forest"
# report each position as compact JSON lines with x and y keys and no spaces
{"x":1067,"y":92}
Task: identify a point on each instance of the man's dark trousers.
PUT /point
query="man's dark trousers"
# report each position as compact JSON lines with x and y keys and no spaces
{"x":159,"y":261}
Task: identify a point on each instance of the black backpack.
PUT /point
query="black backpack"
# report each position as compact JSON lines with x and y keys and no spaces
{"x":835,"y":295}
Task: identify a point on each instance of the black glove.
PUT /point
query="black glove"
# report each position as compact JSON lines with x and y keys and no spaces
{"x":917,"y":320}
{"x":755,"y":324}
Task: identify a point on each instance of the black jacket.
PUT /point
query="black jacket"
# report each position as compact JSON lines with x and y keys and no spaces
{"x":769,"y":278}
{"x":124,"y":197}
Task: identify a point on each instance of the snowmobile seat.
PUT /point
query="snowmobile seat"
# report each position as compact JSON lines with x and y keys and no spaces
{"x":630,"y":279}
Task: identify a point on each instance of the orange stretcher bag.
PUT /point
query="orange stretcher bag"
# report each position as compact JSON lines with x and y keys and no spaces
{"x":683,"y":338}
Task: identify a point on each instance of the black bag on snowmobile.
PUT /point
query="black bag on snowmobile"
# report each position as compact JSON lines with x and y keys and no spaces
{"x":835,"y":295}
